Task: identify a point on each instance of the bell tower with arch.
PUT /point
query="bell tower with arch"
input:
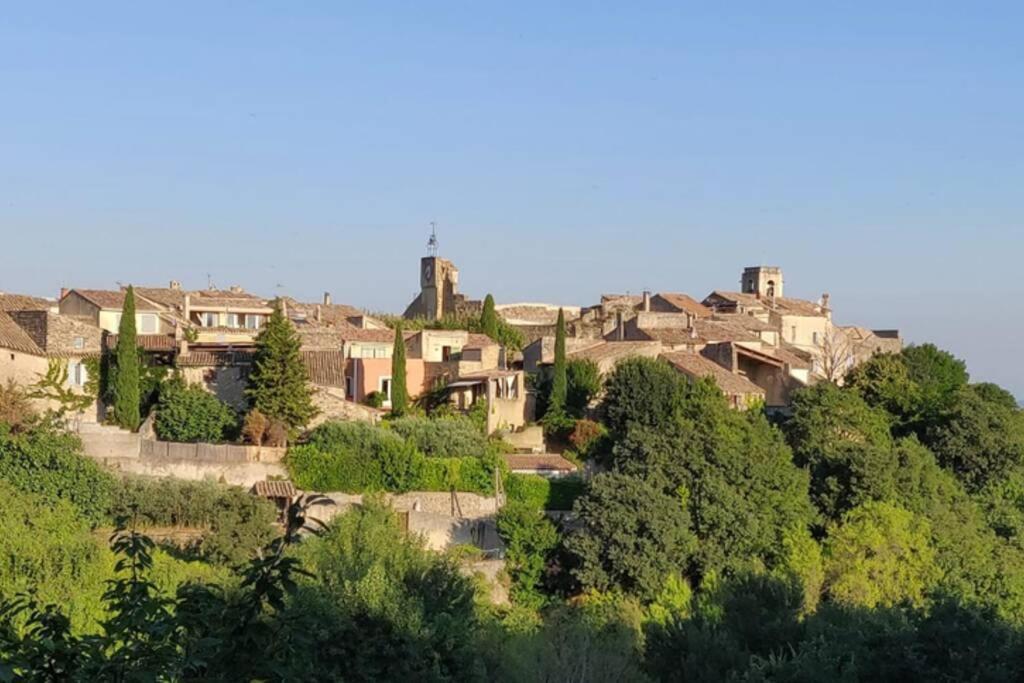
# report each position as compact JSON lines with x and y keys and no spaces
{"x":763,"y":281}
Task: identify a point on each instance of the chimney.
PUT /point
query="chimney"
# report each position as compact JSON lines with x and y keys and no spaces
{"x":327,"y":298}
{"x":63,"y":292}
{"x":691,"y":325}
{"x":175,"y":285}
{"x":235,"y":289}
{"x":647,"y":301}
{"x":319,"y":314}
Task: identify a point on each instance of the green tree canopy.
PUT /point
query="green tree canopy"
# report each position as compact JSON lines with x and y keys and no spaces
{"x":881,"y":555}
{"x":489,"y":319}
{"x":559,"y":376}
{"x":978,"y":439}
{"x":845,"y":445}
{"x":279,"y":384}
{"x":189,"y":413}
{"x":399,"y":390}
{"x":125,"y":384}
{"x":633,"y":535}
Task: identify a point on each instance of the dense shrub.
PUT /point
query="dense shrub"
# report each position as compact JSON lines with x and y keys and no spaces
{"x":450,"y":437}
{"x":188,"y":413}
{"x":474,"y":475}
{"x":356,"y":457}
{"x":542,"y":493}
{"x":48,"y":461}
{"x":530,"y":540}
{"x":236,"y":524}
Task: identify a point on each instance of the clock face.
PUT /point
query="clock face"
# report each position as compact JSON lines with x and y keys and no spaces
{"x":428,"y":272}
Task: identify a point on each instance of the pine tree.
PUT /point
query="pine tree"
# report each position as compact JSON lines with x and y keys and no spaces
{"x":489,"y":319}
{"x":125,"y":386}
{"x":559,"y":378}
{"x":399,"y":391}
{"x":279,"y":384}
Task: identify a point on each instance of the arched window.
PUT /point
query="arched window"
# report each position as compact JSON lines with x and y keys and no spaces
{"x":771,"y":289}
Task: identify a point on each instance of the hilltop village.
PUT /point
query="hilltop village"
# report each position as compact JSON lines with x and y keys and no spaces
{"x":654,"y":486}
{"x":757,"y":344}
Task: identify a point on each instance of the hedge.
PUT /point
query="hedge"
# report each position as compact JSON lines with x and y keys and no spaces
{"x":540,"y":493}
{"x":357,"y":458}
{"x":449,"y":437}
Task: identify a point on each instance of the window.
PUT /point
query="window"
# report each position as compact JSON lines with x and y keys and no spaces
{"x":211,"y":319}
{"x":815,"y":338}
{"x":76,"y":374}
{"x":147,"y":323}
{"x":446,"y":353}
{"x":792,"y":333}
{"x":252,"y":321}
{"x":385,"y":388}
{"x":232,"y":320}
{"x":79,"y":342}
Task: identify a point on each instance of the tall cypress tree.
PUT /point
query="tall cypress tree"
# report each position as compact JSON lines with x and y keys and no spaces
{"x":279,"y":384}
{"x":125,"y":386}
{"x":559,"y":379}
{"x":399,"y":390}
{"x":489,"y":319}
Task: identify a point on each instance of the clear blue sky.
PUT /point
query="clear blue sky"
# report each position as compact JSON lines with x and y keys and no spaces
{"x":872,"y":149}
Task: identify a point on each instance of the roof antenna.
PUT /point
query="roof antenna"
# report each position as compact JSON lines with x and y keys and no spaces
{"x":432,"y":244}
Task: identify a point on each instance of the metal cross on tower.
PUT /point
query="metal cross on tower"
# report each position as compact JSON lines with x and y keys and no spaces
{"x":432,"y":242}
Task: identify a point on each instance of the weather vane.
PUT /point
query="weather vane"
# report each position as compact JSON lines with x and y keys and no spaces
{"x":432,"y":242}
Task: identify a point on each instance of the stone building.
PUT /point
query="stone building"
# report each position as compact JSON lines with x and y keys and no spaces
{"x":32,"y":340}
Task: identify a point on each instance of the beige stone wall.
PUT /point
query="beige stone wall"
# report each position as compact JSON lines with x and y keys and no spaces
{"x":800,"y":330}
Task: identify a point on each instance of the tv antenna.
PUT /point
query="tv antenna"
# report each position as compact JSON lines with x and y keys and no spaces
{"x":432,"y":244}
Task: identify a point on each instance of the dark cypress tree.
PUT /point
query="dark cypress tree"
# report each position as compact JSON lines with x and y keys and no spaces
{"x":559,"y":378}
{"x":489,"y":319}
{"x":399,"y":390}
{"x":125,"y":386}
{"x":279,"y":384}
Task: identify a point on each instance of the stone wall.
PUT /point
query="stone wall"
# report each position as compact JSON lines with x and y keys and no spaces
{"x":210,"y":453}
{"x":470,"y":505}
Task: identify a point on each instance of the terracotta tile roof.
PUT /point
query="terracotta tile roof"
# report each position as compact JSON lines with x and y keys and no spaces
{"x":697,"y":366}
{"x":550,"y":462}
{"x":613,"y":350}
{"x":783,"y":305}
{"x":274,"y":489}
{"x":325,"y":368}
{"x":479,"y":341}
{"x":111,"y":299}
{"x":791,"y":356}
{"x":681,"y":302}
{"x":148,"y":342}
{"x":357,"y":334}
{"x":15,"y":338}
{"x":165,"y":296}
{"x":23,"y":302}
{"x":201,"y":358}
{"x":747,"y":322}
{"x":707,"y":332}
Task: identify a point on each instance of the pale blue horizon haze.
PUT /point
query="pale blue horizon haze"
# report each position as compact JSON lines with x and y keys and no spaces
{"x":872,"y":150}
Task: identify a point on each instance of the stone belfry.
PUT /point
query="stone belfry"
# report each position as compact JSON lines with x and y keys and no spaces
{"x":762,"y":281}
{"x":439,"y":285}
